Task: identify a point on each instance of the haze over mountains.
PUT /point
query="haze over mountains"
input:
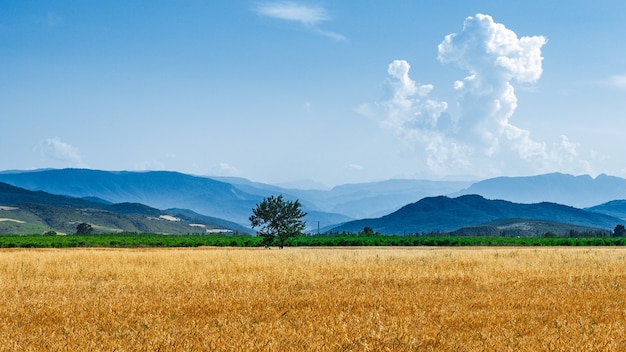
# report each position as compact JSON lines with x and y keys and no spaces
{"x":577,"y":191}
{"x":232,"y":199}
{"x":228,"y":198}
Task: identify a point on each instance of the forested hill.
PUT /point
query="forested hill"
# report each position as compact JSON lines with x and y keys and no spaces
{"x":29,"y":212}
{"x":448,"y":214}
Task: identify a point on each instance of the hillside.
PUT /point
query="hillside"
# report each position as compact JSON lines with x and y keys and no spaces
{"x":525,"y":228}
{"x":448,"y":214}
{"x":616,"y":208}
{"x":163,"y":190}
{"x":25,"y":212}
{"x":158,"y":189}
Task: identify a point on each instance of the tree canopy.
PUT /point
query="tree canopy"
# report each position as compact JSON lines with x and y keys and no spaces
{"x":277,"y":220}
{"x":84,"y":229}
{"x":619,"y":231}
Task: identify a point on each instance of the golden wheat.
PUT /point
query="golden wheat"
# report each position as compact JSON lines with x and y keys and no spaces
{"x":348,"y":299}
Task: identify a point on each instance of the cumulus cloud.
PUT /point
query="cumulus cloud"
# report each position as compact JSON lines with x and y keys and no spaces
{"x":57,"y":150}
{"x":485,"y":47}
{"x":307,"y":15}
{"x":409,"y":107}
{"x":480,"y":138}
{"x":416,"y":118}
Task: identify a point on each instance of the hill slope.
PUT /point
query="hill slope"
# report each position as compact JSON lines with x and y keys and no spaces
{"x":159,"y":189}
{"x":23,"y":212}
{"x":448,"y":214}
{"x":616,"y":208}
{"x":526,"y":228}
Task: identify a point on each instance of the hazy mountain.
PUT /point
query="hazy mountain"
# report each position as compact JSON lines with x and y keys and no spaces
{"x":374,"y":199}
{"x":23,"y":211}
{"x":263,"y":190}
{"x":447,"y":214}
{"x":616,"y":208}
{"x":305,"y":184}
{"x":578,"y":191}
{"x":163,"y":190}
{"x":159,"y":189}
{"x":357,"y":200}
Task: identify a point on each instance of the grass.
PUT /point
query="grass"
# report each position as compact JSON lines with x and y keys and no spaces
{"x":315,"y":299}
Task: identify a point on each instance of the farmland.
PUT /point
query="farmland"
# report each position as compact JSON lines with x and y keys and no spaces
{"x":319,"y":299}
{"x":144,"y":240}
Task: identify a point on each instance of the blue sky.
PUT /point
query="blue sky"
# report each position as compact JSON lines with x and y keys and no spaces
{"x":332,"y":91}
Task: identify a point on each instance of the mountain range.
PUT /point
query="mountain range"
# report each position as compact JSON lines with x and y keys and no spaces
{"x":577,"y":191}
{"x":341,"y":207}
{"x":231,"y":199}
{"x":444,"y":214}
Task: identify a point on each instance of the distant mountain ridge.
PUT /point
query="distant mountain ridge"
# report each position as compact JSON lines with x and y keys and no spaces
{"x":444,"y":214}
{"x":357,"y":200}
{"x":578,"y":191}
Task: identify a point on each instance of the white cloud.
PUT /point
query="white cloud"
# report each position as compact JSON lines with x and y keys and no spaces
{"x":617,"y":81}
{"x":494,"y":57}
{"x":566,"y":158}
{"x":409,"y":107}
{"x":485,"y":47}
{"x":480,"y":139}
{"x":307,"y":15}
{"x":415,"y":118}
{"x":57,"y":150}
{"x":329,"y":34}
{"x":291,"y":11}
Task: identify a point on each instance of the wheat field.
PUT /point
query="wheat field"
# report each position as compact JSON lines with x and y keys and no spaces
{"x":313,"y":299}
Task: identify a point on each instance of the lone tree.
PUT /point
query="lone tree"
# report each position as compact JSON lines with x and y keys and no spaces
{"x":84,"y":229}
{"x":277,"y":220}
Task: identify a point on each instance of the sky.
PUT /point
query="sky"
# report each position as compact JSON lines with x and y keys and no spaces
{"x":330,"y":91}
